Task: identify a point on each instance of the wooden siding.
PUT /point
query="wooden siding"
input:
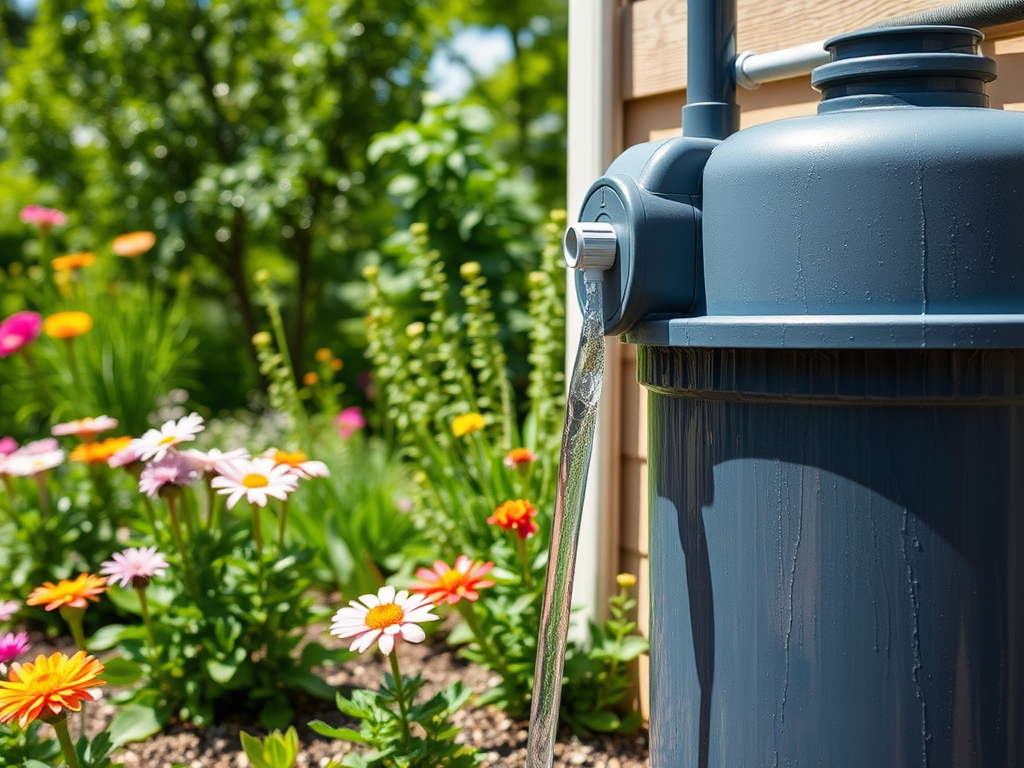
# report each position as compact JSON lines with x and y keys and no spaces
{"x":653,"y":76}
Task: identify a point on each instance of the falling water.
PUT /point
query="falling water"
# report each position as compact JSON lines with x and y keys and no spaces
{"x":577,"y":443}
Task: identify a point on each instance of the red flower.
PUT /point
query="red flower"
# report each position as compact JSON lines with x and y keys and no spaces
{"x":515,"y":516}
{"x":449,"y":585}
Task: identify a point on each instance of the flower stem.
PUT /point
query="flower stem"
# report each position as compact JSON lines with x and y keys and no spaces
{"x":77,"y":633}
{"x":44,"y":497}
{"x":61,"y":727}
{"x":257,"y":530}
{"x":496,"y":661}
{"x":149,"y":512}
{"x":179,"y":542}
{"x":40,"y":379}
{"x":282,"y":524}
{"x":396,"y":673}
{"x":144,"y":605}
{"x":524,"y":558}
{"x":211,"y":506}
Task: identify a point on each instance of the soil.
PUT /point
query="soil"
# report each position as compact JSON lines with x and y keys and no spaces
{"x":501,"y":739}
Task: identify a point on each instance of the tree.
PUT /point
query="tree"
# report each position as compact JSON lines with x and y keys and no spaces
{"x":237,"y":129}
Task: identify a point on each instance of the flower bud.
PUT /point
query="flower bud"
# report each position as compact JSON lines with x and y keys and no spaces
{"x":625,"y":580}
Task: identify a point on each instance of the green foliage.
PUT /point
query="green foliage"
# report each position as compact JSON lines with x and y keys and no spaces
{"x":386,"y":717}
{"x":225,"y":633}
{"x":275,"y":750}
{"x":138,"y":347}
{"x":21,"y":745}
{"x":237,"y":129}
{"x":600,"y":681}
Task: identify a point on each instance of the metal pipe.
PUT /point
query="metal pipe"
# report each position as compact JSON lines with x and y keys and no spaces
{"x":752,"y":69}
{"x":711,"y":110}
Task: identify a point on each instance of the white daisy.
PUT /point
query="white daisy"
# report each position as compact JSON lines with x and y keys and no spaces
{"x":155,"y":443}
{"x":210,"y":461}
{"x":297,"y":463}
{"x":255,"y":479}
{"x":383,"y":618}
{"x":26,"y":464}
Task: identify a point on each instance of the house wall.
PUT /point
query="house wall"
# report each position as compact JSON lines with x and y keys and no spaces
{"x":652,"y":72}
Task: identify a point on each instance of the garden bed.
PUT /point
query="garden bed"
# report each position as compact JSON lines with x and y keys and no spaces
{"x":501,"y":739}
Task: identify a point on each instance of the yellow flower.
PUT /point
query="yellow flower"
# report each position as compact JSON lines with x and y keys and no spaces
{"x":73,"y":261}
{"x":43,"y":690}
{"x":466,"y":423}
{"x":67,"y":325}
{"x":626,"y":580}
{"x":75,"y":593}
{"x":133,"y":244}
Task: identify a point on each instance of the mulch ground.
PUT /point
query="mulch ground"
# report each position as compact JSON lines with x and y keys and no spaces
{"x":501,"y":739}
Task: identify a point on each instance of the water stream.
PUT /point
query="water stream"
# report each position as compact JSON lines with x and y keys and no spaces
{"x":577,"y":443}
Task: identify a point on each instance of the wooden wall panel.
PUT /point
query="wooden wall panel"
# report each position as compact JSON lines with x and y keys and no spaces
{"x":653,"y":33}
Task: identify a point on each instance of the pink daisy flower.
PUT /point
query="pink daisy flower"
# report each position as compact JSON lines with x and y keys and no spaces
{"x":12,"y":646}
{"x":129,"y":455}
{"x":155,"y":443}
{"x":42,"y":217}
{"x":19,"y":329}
{"x":86,"y":428}
{"x":256,"y":480}
{"x":349,"y":421}
{"x":8,"y":608}
{"x":383,"y":619}
{"x":134,"y":566}
{"x":8,"y":445}
{"x":173,"y":469}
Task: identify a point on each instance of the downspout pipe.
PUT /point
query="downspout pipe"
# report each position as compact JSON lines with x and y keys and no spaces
{"x":711,"y":110}
{"x":752,"y":69}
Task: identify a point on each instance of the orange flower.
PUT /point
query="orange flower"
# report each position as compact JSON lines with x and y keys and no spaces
{"x":310,"y":378}
{"x":45,"y":689}
{"x":75,"y":593}
{"x":133,"y":244}
{"x":324,"y":355}
{"x":515,"y":516}
{"x":519,"y":458}
{"x":73,"y":261}
{"x":462,"y":580}
{"x":466,"y":423}
{"x":94,"y":453}
{"x":67,"y":325}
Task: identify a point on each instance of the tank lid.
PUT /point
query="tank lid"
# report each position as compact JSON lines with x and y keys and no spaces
{"x":925,"y":65}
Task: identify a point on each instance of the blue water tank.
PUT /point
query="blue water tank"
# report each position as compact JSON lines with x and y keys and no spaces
{"x":837,"y":431}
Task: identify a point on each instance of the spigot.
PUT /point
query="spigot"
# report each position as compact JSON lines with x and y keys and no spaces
{"x":590,"y":246}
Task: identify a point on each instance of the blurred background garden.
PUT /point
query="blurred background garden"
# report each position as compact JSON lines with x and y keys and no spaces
{"x":282,"y":320}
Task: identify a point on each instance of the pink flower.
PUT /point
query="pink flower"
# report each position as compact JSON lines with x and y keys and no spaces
{"x":135,"y":566}
{"x":19,"y":329}
{"x":39,"y":447}
{"x":8,"y":609}
{"x":12,"y":646}
{"x":131,"y":454}
{"x":446,"y":584}
{"x":86,"y":428}
{"x":212,"y":460}
{"x":349,"y":421}
{"x":8,"y":445}
{"x":173,"y":469}
{"x":44,"y":218}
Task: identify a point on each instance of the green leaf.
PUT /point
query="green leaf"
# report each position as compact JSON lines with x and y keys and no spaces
{"x":106,"y":637}
{"x":603,"y":721}
{"x":319,"y":726}
{"x":632,"y":647}
{"x":220,"y":671}
{"x":121,"y":671}
{"x":135,"y":723}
